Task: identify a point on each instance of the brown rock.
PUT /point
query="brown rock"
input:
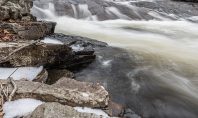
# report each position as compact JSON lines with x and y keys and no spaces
{"x":56,"y":110}
{"x":78,"y":94}
{"x":32,"y":54}
{"x":25,"y":30}
{"x":56,"y":74}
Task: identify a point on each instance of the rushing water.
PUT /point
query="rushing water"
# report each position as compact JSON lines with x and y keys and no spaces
{"x":156,"y":72}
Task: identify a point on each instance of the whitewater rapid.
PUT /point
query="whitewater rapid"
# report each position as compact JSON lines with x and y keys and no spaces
{"x":167,"y":50}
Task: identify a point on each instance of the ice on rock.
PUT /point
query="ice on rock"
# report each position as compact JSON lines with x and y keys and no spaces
{"x":52,"y":41}
{"x":28,"y":73}
{"x":21,"y":107}
{"x":93,"y":111}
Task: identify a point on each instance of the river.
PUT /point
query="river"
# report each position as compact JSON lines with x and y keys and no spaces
{"x":153,"y":67}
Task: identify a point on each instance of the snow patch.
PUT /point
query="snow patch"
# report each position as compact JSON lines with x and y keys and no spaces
{"x":93,"y":111}
{"x":52,"y":41}
{"x":21,"y":107}
{"x":28,"y":73}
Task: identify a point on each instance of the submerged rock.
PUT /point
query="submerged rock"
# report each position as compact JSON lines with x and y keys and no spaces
{"x":56,"y":110}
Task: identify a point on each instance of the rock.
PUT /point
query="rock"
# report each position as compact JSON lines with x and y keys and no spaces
{"x":56,"y":74}
{"x":42,"y":77}
{"x":69,"y":92}
{"x":115,"y":109}
{"x":195,"y":1}
{"x":33,"y":54}
{"x":25,"y":30}
{"x":110,"y":9}
{"x":77,"y":40}
{"x":16,"y":10}
{"x":88,"y":90}
{"x":130,"y":114}
{"x":56,"y":110}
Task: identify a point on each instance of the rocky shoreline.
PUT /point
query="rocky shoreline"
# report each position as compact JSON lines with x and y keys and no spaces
{"x":26,"y":44}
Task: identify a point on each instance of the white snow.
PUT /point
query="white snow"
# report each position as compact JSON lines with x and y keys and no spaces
{"x":93,"y":111}
{"x":21,"y":107}
{"x":28,"y":73}
{"x":52,"y":41}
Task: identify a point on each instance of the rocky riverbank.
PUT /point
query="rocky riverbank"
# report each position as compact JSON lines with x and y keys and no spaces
{"x":36,"y":63}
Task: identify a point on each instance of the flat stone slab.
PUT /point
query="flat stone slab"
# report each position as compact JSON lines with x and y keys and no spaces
{"x":75,"y":94}
{"x":32,"y":54}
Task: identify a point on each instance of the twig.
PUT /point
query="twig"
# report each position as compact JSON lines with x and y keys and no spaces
{"x":18,"y":49}
{"x":14,"y":90}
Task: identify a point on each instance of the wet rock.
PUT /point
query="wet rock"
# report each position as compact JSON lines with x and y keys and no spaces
{"x":77,"y":40}
{"x":56,"y":74}
{"x":110,"y":9}
{"x":56,"y":110}
{"x":115,"y":110}
{"x":130,"y":114}
{"x":66,"y":91}
{"x":187,"y":0}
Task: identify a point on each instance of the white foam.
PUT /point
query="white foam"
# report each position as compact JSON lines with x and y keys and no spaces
{"x":77,"y":47}
{"x":90,"y":110}
{"x":106,"y":63}
{"x":19,"y":108}
{"x":28,"y":73}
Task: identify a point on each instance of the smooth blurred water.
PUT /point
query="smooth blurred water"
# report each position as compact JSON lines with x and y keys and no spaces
{"x":155,"y":71}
